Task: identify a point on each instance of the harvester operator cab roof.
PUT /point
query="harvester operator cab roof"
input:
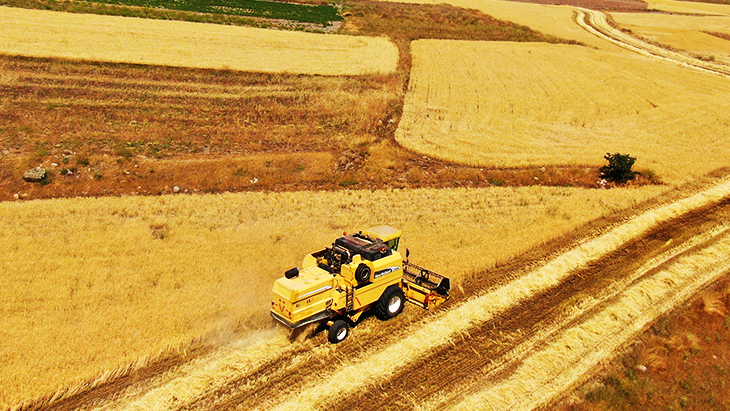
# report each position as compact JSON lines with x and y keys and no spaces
{"x":387,"y":234}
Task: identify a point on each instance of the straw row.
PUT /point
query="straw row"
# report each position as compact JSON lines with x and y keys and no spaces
{"x":581,"y":308}
{"x":380,"y":365}
{"x":567,"y":360}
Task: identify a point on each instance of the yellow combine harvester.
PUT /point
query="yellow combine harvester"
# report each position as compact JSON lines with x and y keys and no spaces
{"x":360,"y":271}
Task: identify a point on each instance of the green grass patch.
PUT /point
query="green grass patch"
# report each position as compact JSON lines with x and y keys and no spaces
{"x":303,"y":13}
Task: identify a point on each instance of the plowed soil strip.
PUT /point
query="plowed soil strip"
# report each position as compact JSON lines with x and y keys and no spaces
{"x":566,"y":360}
{"x":380,"y":366}
{"x":497,"y":346}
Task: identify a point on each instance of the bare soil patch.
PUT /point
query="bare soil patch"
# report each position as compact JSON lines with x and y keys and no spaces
{"x":680,"y":363}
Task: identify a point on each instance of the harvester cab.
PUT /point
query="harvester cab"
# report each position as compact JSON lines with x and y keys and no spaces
{"x":358,"y":272}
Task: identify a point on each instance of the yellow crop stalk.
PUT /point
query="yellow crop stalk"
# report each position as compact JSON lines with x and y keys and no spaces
{"x":360,"y":271}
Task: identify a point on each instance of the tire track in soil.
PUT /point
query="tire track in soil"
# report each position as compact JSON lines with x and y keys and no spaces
{"x":477,"y":354}
{"x":537,"y":313}
{"x":272,"y":382}
{"x":596,"y":23}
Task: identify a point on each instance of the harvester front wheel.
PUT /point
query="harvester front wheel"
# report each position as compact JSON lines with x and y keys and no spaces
{"x":339,"y":331}
{"x":391,"y":303}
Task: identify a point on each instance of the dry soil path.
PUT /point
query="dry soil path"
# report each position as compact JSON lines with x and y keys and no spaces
{"x":596,"y":22}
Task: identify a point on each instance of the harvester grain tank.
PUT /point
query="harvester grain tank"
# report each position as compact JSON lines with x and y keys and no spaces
{"x":358,"y":272}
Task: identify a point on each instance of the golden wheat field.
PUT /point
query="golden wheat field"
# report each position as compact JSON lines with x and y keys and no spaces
{"x":552,"y":20}
{"x":482,"y":308}
{"x":93,"y":284}
{"x":688,"y":7}
{"x":513,"y":105}
{"x":682,"y":32}
{"x":39,"y":33}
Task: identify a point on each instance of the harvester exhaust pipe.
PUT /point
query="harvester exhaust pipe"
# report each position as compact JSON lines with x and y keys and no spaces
{"x":293,"y":273}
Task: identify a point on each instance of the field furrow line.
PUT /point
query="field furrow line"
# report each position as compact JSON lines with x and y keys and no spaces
{"x":446,"y":373}
{"x":568,"y":359}
{"x":446,"y":328}
{"x":574,"y":314}
{"x":596,"y":22}
{"x":201,"y":376}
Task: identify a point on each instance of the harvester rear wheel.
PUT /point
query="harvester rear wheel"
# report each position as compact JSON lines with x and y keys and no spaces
{"x":391,"y":303}
{"x":338,"y":332}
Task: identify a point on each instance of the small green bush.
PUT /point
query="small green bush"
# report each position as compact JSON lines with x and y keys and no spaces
{"x":619,"y":167}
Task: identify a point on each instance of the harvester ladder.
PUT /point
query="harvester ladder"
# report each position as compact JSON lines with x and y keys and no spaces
{"x":350,"y":293}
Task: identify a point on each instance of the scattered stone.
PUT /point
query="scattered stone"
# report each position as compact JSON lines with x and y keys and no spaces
{"x":35,"y":175}
{"x":350,"y":161}
{"x":16,"y":196}
{"x":176,"y":189}
{"x":641,"y":368}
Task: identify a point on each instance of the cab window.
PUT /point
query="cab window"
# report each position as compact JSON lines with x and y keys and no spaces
{"x":393,"y":243}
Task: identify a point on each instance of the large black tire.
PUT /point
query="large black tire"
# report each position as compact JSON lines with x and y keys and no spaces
{"x":338,"y":332}
{"x":362,"y":274}
{"x":391,"y":303}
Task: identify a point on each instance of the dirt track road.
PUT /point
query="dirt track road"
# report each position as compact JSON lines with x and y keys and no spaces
{"x":596,"y":22}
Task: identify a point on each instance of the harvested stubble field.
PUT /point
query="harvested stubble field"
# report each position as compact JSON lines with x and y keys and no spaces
{"x":181,"y":262}
{"x":690,"y":7}
{"x":485,"y":111}
{"x":116,"y":279}
{"x":554,"y":21}
{"x":700,"y":36}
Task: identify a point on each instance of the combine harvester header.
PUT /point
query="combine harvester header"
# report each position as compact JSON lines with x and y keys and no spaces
{"x":338,"y":284}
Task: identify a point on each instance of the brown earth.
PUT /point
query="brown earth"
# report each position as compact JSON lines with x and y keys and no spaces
{"x":681,"y":362}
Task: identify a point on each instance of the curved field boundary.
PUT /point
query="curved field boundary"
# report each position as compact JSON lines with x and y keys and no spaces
{"x":444,"y":329}
{"x":596,"y":22}
{"x":39,"y":33}
{"x":567,"y":359}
